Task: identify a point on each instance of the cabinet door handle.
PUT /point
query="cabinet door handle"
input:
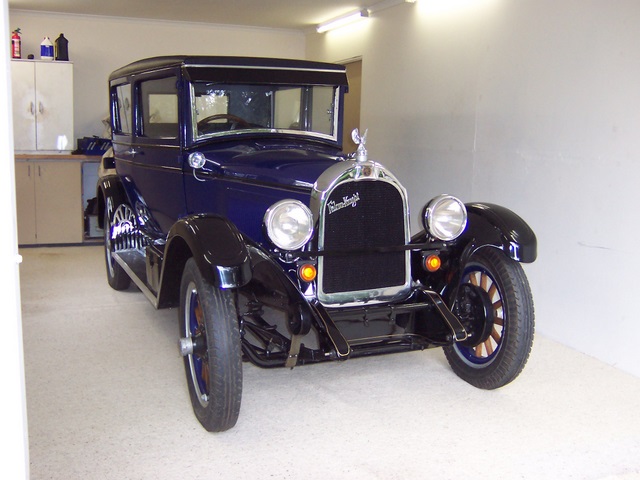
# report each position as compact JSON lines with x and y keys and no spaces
{"x":32,"y":108}
{"x":40,"y":107}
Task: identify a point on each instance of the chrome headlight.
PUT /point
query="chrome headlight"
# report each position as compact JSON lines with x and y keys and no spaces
{"x":445,"y":217}
{"x":289,"y":224}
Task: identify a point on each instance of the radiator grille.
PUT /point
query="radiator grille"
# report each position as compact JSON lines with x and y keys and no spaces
{"x":361,"y":215}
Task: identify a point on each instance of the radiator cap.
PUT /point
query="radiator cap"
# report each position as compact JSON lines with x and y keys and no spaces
{"x":360,"y":140}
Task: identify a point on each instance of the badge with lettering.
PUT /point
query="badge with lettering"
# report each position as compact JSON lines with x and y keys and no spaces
{"x":347,"y":201}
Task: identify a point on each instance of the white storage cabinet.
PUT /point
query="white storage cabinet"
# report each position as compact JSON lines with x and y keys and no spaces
{"x":42,"y":105}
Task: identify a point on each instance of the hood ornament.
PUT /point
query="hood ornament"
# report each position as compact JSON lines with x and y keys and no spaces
{"x":360,"y":140}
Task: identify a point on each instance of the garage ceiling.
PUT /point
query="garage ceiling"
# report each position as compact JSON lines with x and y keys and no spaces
{"x":287,"y":14}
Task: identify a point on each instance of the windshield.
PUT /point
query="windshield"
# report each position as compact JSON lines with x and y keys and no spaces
{"x":219,"y":109}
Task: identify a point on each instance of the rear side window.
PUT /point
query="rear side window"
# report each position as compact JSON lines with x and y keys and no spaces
{"x":159,"y":108}
{"x":121,"y":105}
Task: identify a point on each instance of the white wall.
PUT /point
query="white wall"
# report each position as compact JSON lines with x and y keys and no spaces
{"x":99,"y":45}
{"x":532,"y":104}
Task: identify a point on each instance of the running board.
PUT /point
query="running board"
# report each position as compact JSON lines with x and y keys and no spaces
{"x":133,"y":263}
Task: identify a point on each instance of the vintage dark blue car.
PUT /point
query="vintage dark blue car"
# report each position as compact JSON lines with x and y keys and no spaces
{"x":228,"y":196}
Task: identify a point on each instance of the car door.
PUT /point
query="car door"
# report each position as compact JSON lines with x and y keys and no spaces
{"x":149,"y":159}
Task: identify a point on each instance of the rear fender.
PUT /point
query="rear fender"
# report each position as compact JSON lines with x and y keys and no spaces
{"x":109,"y":189}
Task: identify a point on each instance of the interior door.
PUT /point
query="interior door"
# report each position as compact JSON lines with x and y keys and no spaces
{"x":352,"y":104}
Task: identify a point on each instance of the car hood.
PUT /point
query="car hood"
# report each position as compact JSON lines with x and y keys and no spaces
{"x":292,"y":166}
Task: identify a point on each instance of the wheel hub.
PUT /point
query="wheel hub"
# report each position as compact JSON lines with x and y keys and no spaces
{"x":475,"y":310}
{"x":192,"y":345}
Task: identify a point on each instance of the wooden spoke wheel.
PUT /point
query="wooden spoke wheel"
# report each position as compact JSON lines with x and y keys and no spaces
{"x":495,"y":303}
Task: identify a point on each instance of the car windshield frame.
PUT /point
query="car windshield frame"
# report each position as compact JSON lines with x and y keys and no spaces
{"x":271,"y":99}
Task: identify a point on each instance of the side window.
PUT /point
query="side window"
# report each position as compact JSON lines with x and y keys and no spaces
{"x":323,"y":99}
{"x":309,"y":108}
{"x":121,"y":109}
{"x":159,"y":108}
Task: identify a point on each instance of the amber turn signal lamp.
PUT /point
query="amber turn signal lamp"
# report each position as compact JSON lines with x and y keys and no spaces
{"x":307,"y":273}
{"x":432,"y":263}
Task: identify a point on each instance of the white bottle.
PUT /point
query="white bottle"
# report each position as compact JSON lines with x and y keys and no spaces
{"x":46,"y":49}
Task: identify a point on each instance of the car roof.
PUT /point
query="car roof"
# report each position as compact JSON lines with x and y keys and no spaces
{"x":198,"y":61}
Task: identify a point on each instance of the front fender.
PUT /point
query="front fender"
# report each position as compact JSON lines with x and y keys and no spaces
{"x":490,"y":224}
{"x":271,"y":284}
{"x":216,"y":245}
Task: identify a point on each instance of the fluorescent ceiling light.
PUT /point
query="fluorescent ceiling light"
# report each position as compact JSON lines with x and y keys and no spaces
{"x":342,"y":20}
{"x":384,"y":4}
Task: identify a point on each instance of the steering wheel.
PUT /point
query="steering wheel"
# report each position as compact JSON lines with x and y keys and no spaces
{"x":234,"y":120}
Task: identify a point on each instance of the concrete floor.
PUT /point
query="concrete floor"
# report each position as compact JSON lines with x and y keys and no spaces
{"x":107,"y":399}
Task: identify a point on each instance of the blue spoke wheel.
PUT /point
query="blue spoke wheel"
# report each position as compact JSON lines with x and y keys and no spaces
{"x":210,"y":345}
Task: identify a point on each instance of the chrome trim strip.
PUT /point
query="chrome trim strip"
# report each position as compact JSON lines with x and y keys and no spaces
{"x":147,"y":166}
{"x":262,"y":131}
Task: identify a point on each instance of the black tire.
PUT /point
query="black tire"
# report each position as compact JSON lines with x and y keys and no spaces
{"x":496,"y":304}
{"x":116,"y":276}
{"x":209,"y":322}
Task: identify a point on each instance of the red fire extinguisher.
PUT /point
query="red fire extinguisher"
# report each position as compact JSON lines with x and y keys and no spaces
{"x":16,"y":44}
